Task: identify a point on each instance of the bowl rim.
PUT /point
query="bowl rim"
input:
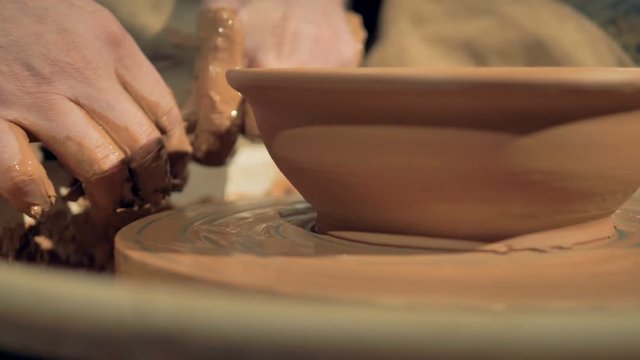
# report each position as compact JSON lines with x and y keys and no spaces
{"x":601,"y":78}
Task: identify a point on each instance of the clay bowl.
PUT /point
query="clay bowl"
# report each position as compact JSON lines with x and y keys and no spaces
{"x":468,"y":153}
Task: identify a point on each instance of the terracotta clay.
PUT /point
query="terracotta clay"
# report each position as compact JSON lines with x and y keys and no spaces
{"x":70,"y":234}
{"x":65,"y":239}
{"x":270,"y":247}
{"x":463,"y":153}
{"x":221,"y":47}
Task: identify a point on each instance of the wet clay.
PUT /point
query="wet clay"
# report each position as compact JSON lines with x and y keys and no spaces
{"x":179,"y":170}
{"x":70,"y":234}
{"x":221,"y":47}
{"x":270,"y":247}
{"x":555,"y":239}
{"x":67,"y":239}
{"x":474,"y":154}
{"x":73,"y":233}
{"x":145,"y":177}
{"x":24,"y":182}
{"x":109,"y":191}
{"x":142,"y":178}
{"x":176,"y":143}
{"x":214,"y":110}
{"x":150,"y":172}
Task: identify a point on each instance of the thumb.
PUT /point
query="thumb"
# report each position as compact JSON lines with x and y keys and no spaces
{"x":221,"y":47}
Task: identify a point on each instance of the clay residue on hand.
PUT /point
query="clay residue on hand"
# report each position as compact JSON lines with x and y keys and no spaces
{"x":150,"y":172}
{"x":23,"y":181}
{"x":359,"y":34}
{"x":221,"y":47}
{"x":33,"y":195}
{"x":108,"y":191}
{"x":144,"y":179}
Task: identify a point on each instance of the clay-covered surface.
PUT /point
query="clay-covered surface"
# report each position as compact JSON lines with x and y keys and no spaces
{"x":270,"y":247}
{"x":70,"y":234}
{"x":65,"y":239}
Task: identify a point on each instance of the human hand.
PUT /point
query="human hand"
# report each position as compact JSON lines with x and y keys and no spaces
{"x":252,"y":33}
{"x":294,"y":33}
{"x":76,"y":81}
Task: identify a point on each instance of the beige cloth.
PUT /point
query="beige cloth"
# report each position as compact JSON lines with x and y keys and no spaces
{"x":490,"y":33}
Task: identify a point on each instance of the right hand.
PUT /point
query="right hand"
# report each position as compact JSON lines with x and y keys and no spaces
{"x":75,"y":80}
{"x":258,"y":33}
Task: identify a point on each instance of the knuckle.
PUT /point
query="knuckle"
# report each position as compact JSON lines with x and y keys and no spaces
{"x":115,"y":35}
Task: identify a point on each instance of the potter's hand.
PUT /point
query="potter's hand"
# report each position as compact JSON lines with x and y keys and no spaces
{"x":294,"y":33}
{"x":257,"y":33}
{"x":75,"y":80}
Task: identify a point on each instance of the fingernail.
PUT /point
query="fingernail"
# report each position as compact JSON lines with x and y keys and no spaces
{"x":31,"y":196}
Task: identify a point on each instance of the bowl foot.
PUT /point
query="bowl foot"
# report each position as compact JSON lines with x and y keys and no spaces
{"x":597,"y":231}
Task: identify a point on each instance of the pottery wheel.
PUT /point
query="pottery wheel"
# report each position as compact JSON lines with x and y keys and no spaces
{"x":271,"y":247}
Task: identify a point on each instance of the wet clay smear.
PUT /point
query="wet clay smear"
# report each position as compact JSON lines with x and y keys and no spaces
{"x":65,"y":239}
